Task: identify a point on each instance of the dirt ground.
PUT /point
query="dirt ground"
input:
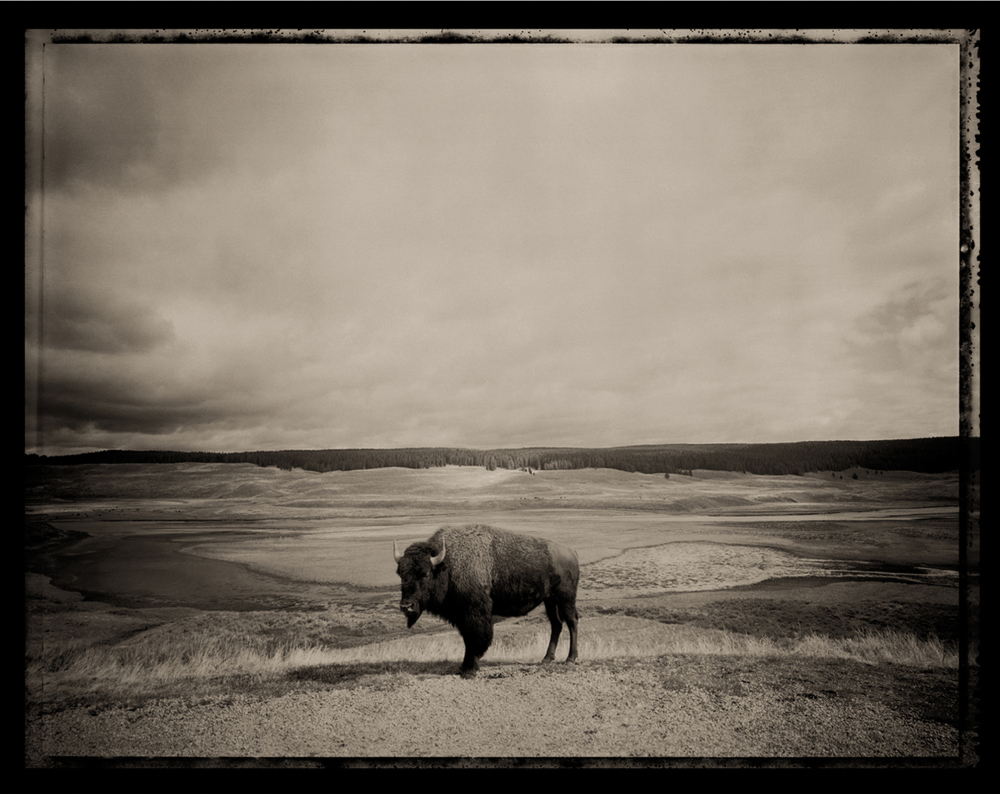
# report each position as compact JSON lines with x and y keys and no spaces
{"x":694,"y":707}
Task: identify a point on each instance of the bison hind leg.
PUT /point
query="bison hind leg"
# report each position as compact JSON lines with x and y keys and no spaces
{"x":571,"y":616}
{"x":555,"y":621}
{"x":560,"y":612}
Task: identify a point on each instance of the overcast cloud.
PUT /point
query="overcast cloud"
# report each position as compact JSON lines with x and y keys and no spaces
{"x":306,"y":246}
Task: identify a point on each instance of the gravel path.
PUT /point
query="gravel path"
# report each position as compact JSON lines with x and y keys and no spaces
{"x":693,"y":706}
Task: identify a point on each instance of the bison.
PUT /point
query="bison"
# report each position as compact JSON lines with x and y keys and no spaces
{"x":468,"y":575}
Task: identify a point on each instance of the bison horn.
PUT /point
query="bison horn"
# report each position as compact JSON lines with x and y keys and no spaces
{"x":437,"y":560}
{"x":395,"y":551}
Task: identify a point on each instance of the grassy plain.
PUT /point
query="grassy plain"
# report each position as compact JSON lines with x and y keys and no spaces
{"x":303,"y":585}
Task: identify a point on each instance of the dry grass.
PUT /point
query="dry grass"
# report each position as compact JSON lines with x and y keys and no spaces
{"x":156,"y":660}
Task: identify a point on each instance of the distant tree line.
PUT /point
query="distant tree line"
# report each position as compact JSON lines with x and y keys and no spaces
{"x":927,"y":455}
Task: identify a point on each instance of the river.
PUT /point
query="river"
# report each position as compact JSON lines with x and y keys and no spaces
{"x":273,"y":564}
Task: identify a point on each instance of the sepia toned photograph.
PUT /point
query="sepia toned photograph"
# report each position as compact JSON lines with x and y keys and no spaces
{"x":451,"y":398}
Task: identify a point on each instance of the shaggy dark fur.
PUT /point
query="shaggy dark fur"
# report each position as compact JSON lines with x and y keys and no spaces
{"x":486,"y":572}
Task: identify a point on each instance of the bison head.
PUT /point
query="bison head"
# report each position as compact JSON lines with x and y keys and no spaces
{"x":418,"y":572}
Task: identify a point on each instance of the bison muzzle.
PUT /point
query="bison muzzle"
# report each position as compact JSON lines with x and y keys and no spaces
{"x":469,"y":575}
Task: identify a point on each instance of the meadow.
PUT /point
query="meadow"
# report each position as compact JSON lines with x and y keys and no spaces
{"x":194,"y":576}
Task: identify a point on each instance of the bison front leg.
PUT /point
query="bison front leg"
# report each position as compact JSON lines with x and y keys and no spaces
{"x":478,"y":636}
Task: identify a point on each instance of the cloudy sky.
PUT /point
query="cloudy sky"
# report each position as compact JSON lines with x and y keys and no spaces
{"x":281,"y":246}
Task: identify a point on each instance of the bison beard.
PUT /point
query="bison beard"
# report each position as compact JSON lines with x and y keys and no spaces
{"x":469,"y":575}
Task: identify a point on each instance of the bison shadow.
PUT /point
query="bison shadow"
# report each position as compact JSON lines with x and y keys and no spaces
{"x":374,"y":674}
